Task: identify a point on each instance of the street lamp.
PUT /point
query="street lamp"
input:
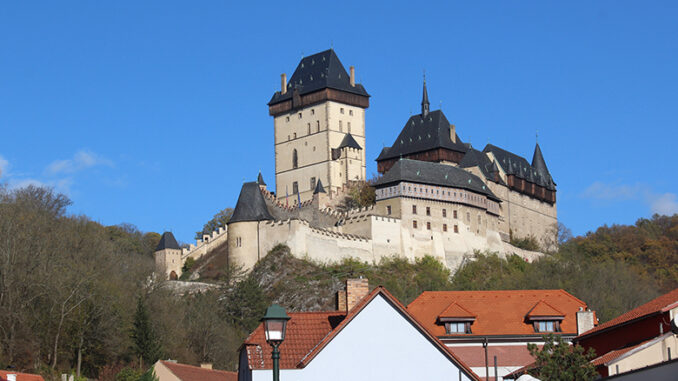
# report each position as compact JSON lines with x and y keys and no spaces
{"x":275,"y":322}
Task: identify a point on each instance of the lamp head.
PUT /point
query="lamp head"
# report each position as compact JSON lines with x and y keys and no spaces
{"x":275,"y":324}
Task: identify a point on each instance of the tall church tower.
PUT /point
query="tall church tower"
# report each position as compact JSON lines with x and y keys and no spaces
{"x":319,"y":124}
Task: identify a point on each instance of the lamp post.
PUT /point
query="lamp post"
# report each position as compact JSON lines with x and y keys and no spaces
{"x":275,"y":323}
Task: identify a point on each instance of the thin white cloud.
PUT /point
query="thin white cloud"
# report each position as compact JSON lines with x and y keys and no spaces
{"x":81,"y":160}
{"x":4,"y":165}
{"x":602,"y":191}
{"x":666,"y":203}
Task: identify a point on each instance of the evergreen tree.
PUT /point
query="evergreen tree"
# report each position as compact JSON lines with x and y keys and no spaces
{"x":559,"y":361}
{"x":146,"y":343}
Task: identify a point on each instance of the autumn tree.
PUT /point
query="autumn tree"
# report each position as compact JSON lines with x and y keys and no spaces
{"x":219,"y":220}
{"x":559,"y":361}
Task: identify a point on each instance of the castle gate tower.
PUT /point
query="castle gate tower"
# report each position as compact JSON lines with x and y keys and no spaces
{"x":319,"y":127}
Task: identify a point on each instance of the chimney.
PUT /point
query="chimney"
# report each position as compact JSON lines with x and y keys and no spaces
{"x":356,"y":290}
{"x":341,"y":300}
{"x":453,"y":133}
{"x":283,"y":83}
{"x":206,"y":365}
{"x":585,"y":320}
{"x":352,"y":76}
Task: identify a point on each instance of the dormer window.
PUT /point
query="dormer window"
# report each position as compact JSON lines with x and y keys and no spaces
{"x":457,"y":327}
{"x":545,"y":318}
{"x":457,"y":319}
{"x":546,"y":326}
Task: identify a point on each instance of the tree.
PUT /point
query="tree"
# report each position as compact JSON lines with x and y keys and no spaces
{"x":146,"y":344}
{"x":559,"y":361}
{"x":220,"y":219}
{"x":359,"y":194}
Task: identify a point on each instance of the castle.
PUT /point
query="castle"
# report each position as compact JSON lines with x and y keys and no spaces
{"x":437,"y":195}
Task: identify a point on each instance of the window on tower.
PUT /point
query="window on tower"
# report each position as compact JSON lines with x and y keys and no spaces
{"x":317,"y":125}
{"x":312,"y":183}
{"x":295,"y":159}
{"x":341,"y":126}
{"x":295,"y":187}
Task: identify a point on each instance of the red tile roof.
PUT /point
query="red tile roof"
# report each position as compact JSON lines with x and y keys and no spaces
{"x":319,"y":333}
{"x":654,"y":306}
{"x":497,"y":312}
{"x":507,"y":355}
{"x":304,"y":331}
{"x":542,"y":308}
{"x":454,"y":310}
{"x":20,"y":376}
{"x":196,"y":373}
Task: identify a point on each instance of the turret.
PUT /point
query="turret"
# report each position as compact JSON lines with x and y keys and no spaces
{"x":167,"y":255}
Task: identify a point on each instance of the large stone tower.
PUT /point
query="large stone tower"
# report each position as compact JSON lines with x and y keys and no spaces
{"x":319,"y":123}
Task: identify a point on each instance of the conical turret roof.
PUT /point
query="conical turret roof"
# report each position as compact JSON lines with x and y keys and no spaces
{"x":167,"y":241}
{"x":260,"y":179}
{"x":251,"y":205}
{"x":319,"y":188}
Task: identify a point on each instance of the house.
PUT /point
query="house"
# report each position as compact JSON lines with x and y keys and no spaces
{"x":368,"y":338}
{"x":173,"y":371}
{"x":6,"y":375}
{"x":489,"y":330}
{"x":644,"y":336}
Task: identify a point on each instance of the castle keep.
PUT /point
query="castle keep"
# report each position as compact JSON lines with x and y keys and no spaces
{"x":437,"y":195}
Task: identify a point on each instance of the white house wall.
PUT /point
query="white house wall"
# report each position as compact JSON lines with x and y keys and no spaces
{"x":378,"y":344}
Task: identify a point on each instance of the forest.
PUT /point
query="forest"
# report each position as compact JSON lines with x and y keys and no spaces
{"x":79,"y":297}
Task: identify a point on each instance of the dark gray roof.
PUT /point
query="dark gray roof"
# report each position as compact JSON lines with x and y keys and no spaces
{"x":424,"y":172}
{"x":260,"y":179}
{"x":167,"y":241}
{"x":423,"y":134}
{"x":319,"y":71}
{"x":518,"y":166}
{"x":349,"y":142}
{"x":539,"y":164}
{"x":251,"y":205}
{"x":319,"y":188}
{"x":425,"y":105}
{"x":475,"y":158}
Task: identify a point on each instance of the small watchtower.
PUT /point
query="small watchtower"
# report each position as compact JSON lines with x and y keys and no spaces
{"x":168,"y":257}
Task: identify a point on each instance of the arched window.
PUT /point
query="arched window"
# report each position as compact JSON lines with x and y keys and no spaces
{"x":295,"y":159}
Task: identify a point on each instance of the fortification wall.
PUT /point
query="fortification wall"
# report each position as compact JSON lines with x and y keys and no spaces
{"x":531,"y":217}
{"x":205,"y":245}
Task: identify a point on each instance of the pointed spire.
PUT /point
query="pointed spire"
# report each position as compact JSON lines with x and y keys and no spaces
{"x":260,"y":180}
{"x":425,"y":105}
{"x":319,"y":187}
{"x":538,"y":162}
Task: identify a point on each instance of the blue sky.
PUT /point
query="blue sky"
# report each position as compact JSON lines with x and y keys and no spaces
{"x":154,"y":113}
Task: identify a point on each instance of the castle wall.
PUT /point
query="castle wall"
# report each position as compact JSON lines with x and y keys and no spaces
{"x":531,"y":217}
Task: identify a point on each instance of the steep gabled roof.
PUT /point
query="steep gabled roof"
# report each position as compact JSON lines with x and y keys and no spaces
{"x":423,"y":133}
{"x":251,"y":205}
{"x":308,"y":333}
{"x":655,"y":306}
{"x":349,"y":142}
{"x":424,"y":172}
{"x":167,"y":241}
{"x":403,"y":311}
{"x":475,"y":158}
{"x":317,"y":72}
{"x":195,"y":373}
{"x":518,"y":166}
{"x":497,"y":312}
